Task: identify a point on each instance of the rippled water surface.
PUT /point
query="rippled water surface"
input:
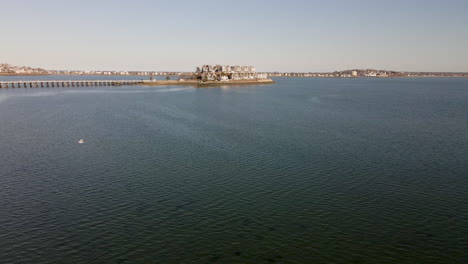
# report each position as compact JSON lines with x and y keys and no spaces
{"x":302,"y":171}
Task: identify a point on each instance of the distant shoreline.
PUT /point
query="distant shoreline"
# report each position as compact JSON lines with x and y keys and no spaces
{"x":270,"y":76}
{"x":23,"y":74}
{"x":328,"y":77}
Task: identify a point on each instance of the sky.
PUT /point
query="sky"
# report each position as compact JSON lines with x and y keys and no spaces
{"x":273,"y":35}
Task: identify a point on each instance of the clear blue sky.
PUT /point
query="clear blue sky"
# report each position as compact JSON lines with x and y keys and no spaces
{"x":274,"y":35}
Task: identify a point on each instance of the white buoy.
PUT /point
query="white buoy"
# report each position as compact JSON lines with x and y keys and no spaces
{"x":81,"y":141}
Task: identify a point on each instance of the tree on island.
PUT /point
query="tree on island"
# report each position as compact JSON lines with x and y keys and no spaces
{"x":168,"y":78}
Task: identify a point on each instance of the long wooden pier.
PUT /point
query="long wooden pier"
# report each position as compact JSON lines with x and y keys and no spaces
{"x":70,"y":83}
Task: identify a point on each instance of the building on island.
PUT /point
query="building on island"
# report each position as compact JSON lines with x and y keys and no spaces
{"x":227,"y":73}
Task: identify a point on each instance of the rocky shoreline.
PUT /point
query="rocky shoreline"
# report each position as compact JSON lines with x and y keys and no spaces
{"x":198,"y":83}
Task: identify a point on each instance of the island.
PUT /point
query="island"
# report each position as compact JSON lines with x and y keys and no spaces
{"x":218,"y":75}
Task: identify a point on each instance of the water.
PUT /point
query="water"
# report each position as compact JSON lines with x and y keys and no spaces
{"x":302,"y":171}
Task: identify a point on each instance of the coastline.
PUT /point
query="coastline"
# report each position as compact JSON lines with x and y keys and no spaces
{"x":23,"y":74}
{"x":275,"y":75}
{"x":197,"y":83}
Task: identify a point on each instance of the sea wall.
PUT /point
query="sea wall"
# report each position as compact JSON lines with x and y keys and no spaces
{"x":208,"y":83}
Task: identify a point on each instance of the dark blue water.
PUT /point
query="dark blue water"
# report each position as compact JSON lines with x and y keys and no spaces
{"x":301,"y":171}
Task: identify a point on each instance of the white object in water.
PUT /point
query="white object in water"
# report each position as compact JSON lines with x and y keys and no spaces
{"x":81,"y":141}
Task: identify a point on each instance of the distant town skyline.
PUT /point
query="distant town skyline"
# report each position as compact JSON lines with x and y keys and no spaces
{"x":292,"y":36}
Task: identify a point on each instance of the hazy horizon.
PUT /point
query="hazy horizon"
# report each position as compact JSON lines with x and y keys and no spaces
{"x":298,"y":36}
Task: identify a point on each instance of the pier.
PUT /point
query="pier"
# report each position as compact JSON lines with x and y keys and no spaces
{"x":70,"y":83}
{"x":81,"y":83}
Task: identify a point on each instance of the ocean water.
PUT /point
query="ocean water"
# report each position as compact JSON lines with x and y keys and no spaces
{"x":301,"y":171}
